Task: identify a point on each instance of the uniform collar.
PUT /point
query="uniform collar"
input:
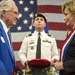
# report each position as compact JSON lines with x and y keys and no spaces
{"x":42,"y":33}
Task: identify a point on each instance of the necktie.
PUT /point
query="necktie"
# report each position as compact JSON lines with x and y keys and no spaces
{"x":38,"y":52}
{"x":9,"y":35}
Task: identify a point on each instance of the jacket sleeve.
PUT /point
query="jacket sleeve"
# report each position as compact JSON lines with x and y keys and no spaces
{"x":2,"y":69}
{"x":69,"y":66}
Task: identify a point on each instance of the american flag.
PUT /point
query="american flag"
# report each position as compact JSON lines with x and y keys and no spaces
{"x":27,"y":8}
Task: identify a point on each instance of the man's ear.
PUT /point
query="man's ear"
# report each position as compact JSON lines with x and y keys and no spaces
{"x":3,"y":13}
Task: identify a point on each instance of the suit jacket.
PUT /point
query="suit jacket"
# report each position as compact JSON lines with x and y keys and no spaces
{"x":69,"y":61}
{"x":7,"y":62}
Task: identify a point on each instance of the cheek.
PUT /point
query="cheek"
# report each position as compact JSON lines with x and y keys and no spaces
{"x":72,"y":20}
{"x":9,"y":18}
{"x":44,"y":24}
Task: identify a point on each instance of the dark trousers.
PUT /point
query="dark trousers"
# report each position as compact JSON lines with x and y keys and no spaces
{"x":37,"y":71}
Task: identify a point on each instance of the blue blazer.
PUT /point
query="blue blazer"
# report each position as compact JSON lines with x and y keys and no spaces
{"x":7,"y":62}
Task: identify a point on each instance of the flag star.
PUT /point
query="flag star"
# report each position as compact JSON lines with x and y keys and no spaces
{"x":31,"y":15}
{"x":31,"y":2}
{"x":20,"y":15}
{"x":25,"y":21}
{"x":26,"y":8}
{"x":20,"y":2}
{"x":19,"y":28}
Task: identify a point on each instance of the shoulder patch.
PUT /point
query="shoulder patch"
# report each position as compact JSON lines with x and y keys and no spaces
{"x":28,"y":35}
{"x":50,"y":35}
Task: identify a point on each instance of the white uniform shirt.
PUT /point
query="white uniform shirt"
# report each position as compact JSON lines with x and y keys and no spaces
{"x":28,"y":48}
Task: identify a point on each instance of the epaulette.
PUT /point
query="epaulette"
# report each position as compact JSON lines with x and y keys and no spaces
{"x":28,"y":35}
{"x":50,"y":35}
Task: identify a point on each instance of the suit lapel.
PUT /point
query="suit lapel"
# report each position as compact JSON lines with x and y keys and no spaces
{"x":6,"y":41}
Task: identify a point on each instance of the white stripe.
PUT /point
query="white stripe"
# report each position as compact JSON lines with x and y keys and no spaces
{"x":51,"y":2}
{"x":58,"y":34}
{"x":54,"y":17}
{"x":18,"y":37}
{"x":16,"y":56}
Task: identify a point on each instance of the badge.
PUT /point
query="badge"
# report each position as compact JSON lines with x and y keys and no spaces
{"x":46,"y":41}
{"x":31,"y":42}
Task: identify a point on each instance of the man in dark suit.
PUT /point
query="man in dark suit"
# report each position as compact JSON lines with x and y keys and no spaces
{"x":8,"y":18}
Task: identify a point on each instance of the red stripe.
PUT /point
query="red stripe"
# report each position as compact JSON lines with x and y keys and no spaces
{"x":58,"y":26}
{"x":59,"y":43}
{"x":16,"y":45}
{"x":20,"y":65}
{"x":49,"y":9}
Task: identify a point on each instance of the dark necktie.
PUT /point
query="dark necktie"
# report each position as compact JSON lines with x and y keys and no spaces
{"x":38,"y":52}
{"x":9,"y":35}
{"x":10,"y":40}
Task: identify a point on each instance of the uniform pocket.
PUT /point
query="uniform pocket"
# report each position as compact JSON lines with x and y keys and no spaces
{"x":31,"y":46}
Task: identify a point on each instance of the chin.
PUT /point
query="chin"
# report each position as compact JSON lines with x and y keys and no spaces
{"x":67,"y":24}
{"x":14,"y":24}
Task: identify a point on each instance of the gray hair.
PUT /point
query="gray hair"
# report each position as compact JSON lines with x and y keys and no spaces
{"x":5,"y":5}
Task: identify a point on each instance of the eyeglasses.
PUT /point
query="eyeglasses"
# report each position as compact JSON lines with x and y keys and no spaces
{"x":16,"y":13}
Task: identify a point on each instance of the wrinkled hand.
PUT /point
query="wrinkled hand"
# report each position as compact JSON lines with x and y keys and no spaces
{"x":58,"y":66}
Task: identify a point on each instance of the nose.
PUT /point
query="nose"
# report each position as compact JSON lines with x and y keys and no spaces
{"x":39,"y":21}
{"x":17,"y":17}
{"x":64,"y":18}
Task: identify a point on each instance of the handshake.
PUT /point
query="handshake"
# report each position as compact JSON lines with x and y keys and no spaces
{"x":18,"y":71}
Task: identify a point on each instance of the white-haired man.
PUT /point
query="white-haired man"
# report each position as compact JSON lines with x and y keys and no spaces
{"x":8,"y":18}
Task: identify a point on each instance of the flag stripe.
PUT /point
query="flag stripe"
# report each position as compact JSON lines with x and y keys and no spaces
{"x":49,"y":9}
{"x":58,"y":26}
{"x":20,"y":65}
{"x":16,"y":45}
{"x":54,"y":17}
{"x":51,"y":2}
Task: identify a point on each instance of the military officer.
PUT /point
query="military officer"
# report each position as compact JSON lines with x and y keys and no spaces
{"x":28,"y":48}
